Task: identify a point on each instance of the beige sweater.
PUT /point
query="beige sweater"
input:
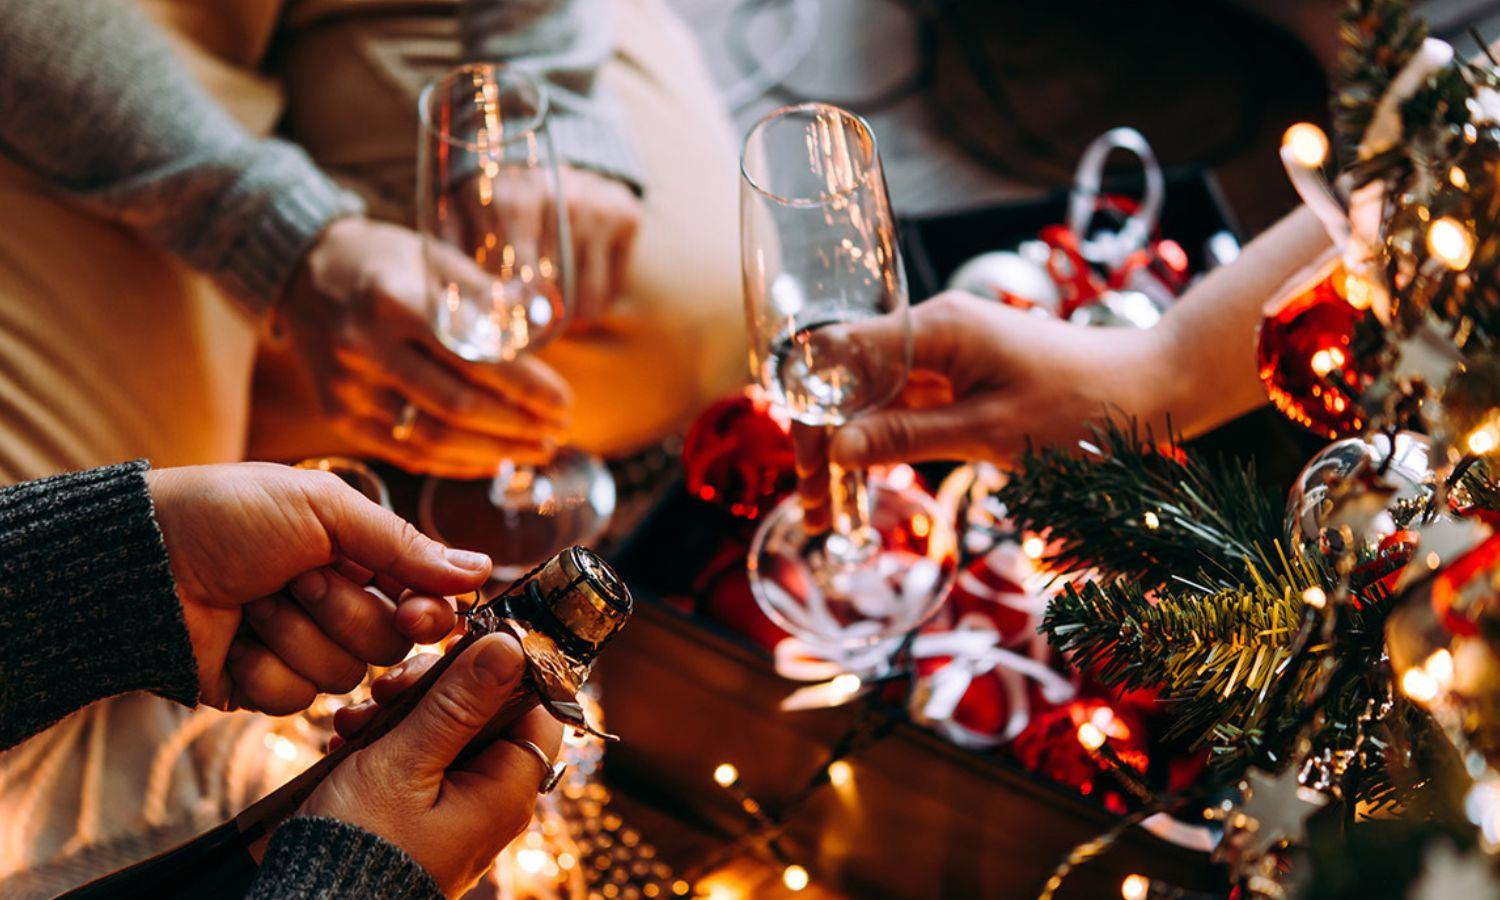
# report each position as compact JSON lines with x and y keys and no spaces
{"x":98,"y":106}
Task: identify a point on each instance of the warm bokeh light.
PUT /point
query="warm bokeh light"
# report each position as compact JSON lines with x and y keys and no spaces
{"x":1135,"y":887}
{"x":531,"y":860}
{"x":1326,"y":360}
{"x":1315,"y":597}
{"x":1307,"y":143}
{"x":1091,"y":736}
{"x":1439,"y":667}
{"x":725,"y":774}
{"x":1484,"y":439}
{"x":1419,"y":685}
{"x":795,"y":878}
{"x":1451,"y":243}
{"x":1033,"y":546}
{"x":1150,"y":520}
{"x":840,"y":773}
{"x":847,"y":684}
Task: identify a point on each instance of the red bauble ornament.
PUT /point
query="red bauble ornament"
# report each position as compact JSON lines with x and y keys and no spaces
{"x":738,"y":456}
{"x":993,"y":586}
{"x":1305,"y":352}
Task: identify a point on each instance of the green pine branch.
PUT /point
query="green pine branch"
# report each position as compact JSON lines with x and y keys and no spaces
{"x":1379,"y":38}
{"x":1148,"y":515}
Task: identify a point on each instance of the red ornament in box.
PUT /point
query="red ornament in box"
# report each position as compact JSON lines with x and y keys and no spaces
{"x":1305,"y":353}
{"x":995,"y":586}
{"x":738,"y":456}
{"x":1056,"y":744}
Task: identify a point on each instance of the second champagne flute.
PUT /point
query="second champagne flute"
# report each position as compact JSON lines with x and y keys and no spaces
{"x":499,"y":276}
{"x":830,"y":338}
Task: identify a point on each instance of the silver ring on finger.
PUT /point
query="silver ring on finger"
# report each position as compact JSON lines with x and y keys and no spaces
{"x":406,"y":422}
{"x":551,"y":774}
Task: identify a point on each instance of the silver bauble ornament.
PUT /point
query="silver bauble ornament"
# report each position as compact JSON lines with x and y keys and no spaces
{"x":1352,"y":501}
{"x":993,"y":275}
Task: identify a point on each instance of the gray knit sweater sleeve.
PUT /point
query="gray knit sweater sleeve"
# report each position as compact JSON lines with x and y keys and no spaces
{"x":88,"y":608}
{"x":95,"y":101}
{"x":563,"y":42}
{"x":316,"y":858}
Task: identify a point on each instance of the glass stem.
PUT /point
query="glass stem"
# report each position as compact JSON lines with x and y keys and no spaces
{"x":854,"y":540}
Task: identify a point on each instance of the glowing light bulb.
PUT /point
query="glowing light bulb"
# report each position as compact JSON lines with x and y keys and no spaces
{"x":847,"y":684}
{"x":1307,"y":143}
{"x":1451,"y":243}
{"x":1315,"y":597}
{"x":1419,"y":685}
{"x":1458,"y":179}
{"x":840,"y":773}
{"x":1135,"y":887}
{"x":1033,"y":546}
{"x":1150,"y":520}
{"x":1484,"y":439}
{"x":284,"y":749}
{"x":725,"y":774}
{"x":795,"y":878}
{"x":1091,"y":736}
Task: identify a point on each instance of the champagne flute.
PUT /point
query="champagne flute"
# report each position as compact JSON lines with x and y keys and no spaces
{"x":499,"y":274}
{"x":830,"y":338}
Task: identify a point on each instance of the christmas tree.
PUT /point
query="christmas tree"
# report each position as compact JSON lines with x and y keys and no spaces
{"x":1341,"y":661}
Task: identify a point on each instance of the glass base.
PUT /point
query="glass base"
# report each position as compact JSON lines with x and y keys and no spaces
{"x":523,"y":516}
{"x":837,"y":603}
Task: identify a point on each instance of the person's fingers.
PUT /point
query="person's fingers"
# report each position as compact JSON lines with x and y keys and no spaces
{"x":469,"y":694}
{"x":530,"y":384}
{"x":591,"y":246}
{"x":810,"y":447}
{"x":359,"y":621}
{"x":348,"y":720}
{"x":438,"y":390}
{"x":501,"y":781}
{"x":431,"y":442}
{"x":290,"y":633}
{"x":400,"y":677}
{"x":388,"y":545}
{"x":913,"y":435}
{"x":424,"y":619}
{"x":619,"y":255}
{"x":262,"y":681}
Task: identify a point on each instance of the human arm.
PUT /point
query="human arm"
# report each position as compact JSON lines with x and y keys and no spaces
{"x":99,"y":106}
{"x":994,"y":378}
{"x":117,"y":579}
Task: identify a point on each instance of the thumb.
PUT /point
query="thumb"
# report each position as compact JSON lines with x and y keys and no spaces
{"x":904,"y":435}
{"x":458,"y":707}
{"x":391,"y":548}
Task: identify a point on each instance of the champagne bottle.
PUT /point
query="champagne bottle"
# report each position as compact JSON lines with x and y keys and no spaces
{"x":563,"y":613}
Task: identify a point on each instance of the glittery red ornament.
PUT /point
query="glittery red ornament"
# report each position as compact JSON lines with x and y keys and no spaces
{"x":1053,"y":746}
{"x":1305,"y":353}
{"x":739,"y":456}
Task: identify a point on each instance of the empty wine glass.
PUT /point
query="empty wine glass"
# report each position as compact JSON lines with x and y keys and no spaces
{"x":830,"y":338}
{"x":499,"y":275}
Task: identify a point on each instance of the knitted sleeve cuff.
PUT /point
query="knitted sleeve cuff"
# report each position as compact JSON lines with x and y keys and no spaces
{"x":316,"y":857}
{"x":595,"y":142}
{"x":88,"y":607}
{"x":278,"y":207}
